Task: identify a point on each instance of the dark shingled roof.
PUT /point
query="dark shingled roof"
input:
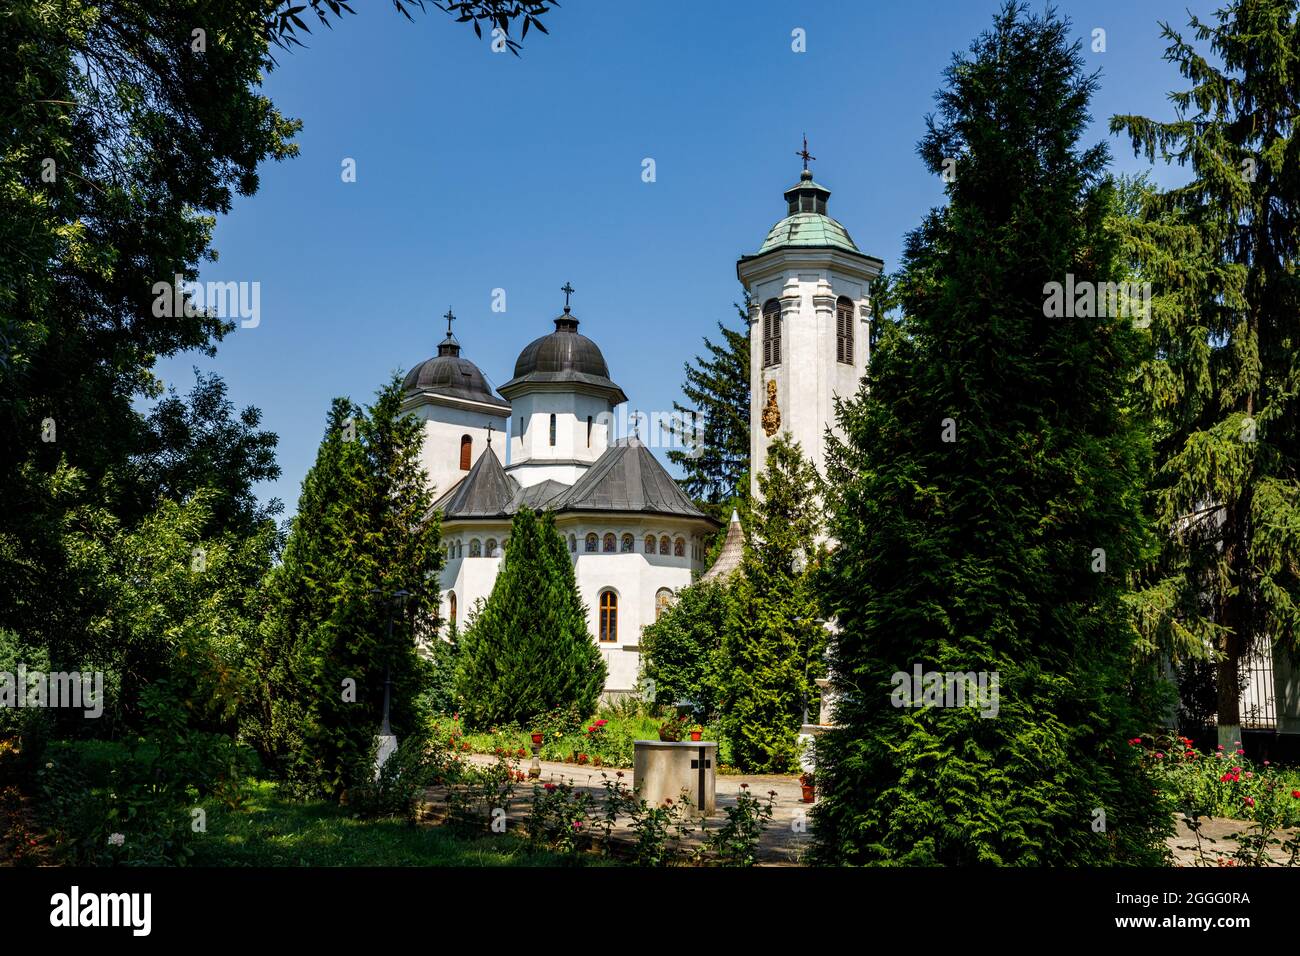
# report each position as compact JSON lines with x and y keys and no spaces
{"x":486,"y":492}
{"x":449,"y":374}
{"x":564,"y":356}
{"x":627,"y":477}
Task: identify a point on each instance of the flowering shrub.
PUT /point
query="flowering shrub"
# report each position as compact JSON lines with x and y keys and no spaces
{"x":735,"y":843}
{"x":1221,"y":783}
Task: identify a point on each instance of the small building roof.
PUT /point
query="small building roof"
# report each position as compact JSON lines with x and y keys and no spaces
{"x":627,"y":477}
{"x":733,"y":551}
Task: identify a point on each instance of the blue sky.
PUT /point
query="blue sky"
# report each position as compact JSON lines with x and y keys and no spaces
{"x":477,"y":171}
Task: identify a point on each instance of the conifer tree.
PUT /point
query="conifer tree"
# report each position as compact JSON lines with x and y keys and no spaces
{"x":715,"y":432}
{"x":987,"y":504}
{"x":774,"y":649}
{"x":682,"y":651}
{"x":527,"y":650}
{"x":363,"y":548}
{"x":1223,"y":250}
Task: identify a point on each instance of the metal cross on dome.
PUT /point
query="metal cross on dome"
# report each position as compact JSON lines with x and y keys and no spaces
{"x":568,"y":290}
{"x":450,"y":319}
{"x":804,"y":152}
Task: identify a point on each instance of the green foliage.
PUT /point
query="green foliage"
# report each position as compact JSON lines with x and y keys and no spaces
{"x":774,"y":649}
{"x":735,"y":843}
{"x":682,"y":651}
{"x":1221,"y":253}
{"x":716,"y":468}
{"x":978,"y":554}
{"x":336,"y":620}
{"x":527,"y":651}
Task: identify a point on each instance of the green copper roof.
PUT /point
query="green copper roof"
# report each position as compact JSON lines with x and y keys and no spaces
{"x":808,"y":229}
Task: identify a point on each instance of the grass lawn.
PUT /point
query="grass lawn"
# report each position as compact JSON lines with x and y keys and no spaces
{"x":274,"y":831}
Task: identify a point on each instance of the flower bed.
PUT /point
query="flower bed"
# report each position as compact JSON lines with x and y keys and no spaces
{"x":1222,"y":782}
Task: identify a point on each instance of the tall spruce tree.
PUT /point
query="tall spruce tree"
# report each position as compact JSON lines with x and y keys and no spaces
{"x":528,"y":650}
{"x":1223,"y":252}
{"x":361,"y":537}
{"x":987,"y":503}
{"x":774,"y":650}
{"x":715,"y":432}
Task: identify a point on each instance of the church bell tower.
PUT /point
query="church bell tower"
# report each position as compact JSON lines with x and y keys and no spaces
{"x":809,"y":323}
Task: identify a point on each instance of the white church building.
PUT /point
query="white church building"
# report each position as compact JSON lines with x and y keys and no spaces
{"x":636,"y":539}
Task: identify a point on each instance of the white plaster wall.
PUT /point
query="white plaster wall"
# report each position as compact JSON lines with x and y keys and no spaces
{"x":636,"y":577}
{"x":531,"y":450}
{"x":808,"y":377}
{"x":443,"y":427}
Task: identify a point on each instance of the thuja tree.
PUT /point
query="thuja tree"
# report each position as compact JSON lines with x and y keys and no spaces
{"x":357,"y":583}
{"x":528,"y":650}
{"x":774,"y":649}
{"x":1223,"y":382}
{"x":682,"y":653}
{"x":987,"y":503}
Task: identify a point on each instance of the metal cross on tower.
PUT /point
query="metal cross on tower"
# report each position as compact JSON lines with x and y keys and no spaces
{"x":450,"y":319}
{"x":568,"y":290}
{"x":804,"y":152}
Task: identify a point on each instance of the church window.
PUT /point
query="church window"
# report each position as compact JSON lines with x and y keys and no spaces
{"x":592,"y":543}
{"x":771,"y":333}
{"x":663,"y":601}
{"x":610,"y":544}
{"x":466,"y":446}
{"x":573,"y":544}
{"x":679,"y":548}
{"x":844,"y":330}
{"x":475,"y":548}
{"x":552,"y":430}
{"x":649,"y":544}
{"x":451,"y":606}
{"x":628,"y":544}
{"x":608,"y":616}
{"x":588,"y":431}
{"x":492,"y":548}
{"x":665,"y":546}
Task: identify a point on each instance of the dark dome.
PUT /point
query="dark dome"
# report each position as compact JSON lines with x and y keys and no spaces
{"x":449,"y":374}
{"x":563,"y":356}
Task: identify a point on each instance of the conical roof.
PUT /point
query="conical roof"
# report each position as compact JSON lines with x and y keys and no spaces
{"x":627,"y":477}
{"x":486,"y":492}
{"x":729,"y":558}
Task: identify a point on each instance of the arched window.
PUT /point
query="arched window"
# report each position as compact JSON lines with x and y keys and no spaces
{"x":466,"y":446}
{"x":844,"y":330}
{"x":588,"y":431}
{"x":771,"y":333}
{"x":492,"y":548}
{"x":460,"y":549}
{"x":649,"y":544}
{"x":573,"y":544}
{"x":679,"y":548}
{"x":451,"y":606}
{"x":475,"y":548}
{"x":610,"y":544}
{"x":608,"y":616}
{"x":593,"y":543}
{"x":663,"y":601}
{"x":552,"y":429}
{"x":665,"y":546}
{"x":628,"y":544}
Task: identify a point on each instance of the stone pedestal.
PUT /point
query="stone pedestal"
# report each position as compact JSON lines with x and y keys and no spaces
{"x":662,"y":769}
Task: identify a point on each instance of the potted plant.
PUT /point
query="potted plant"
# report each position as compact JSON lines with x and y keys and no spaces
{"x":670,"y":731}
{"x":582,"y":758}
{"x":696,"y":732}
{"x":537,"y":739}
{"x":808,"y":784}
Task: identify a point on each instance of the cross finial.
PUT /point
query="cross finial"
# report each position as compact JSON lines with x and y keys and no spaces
{"x":636,"y":423}
{"x":489,"y":435}
{"x":804,"y":152}
{"x":450,"y":319}
{"x":568,"y":290}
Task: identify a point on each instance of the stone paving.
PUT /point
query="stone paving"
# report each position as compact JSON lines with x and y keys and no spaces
{"x":787,"y":838}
